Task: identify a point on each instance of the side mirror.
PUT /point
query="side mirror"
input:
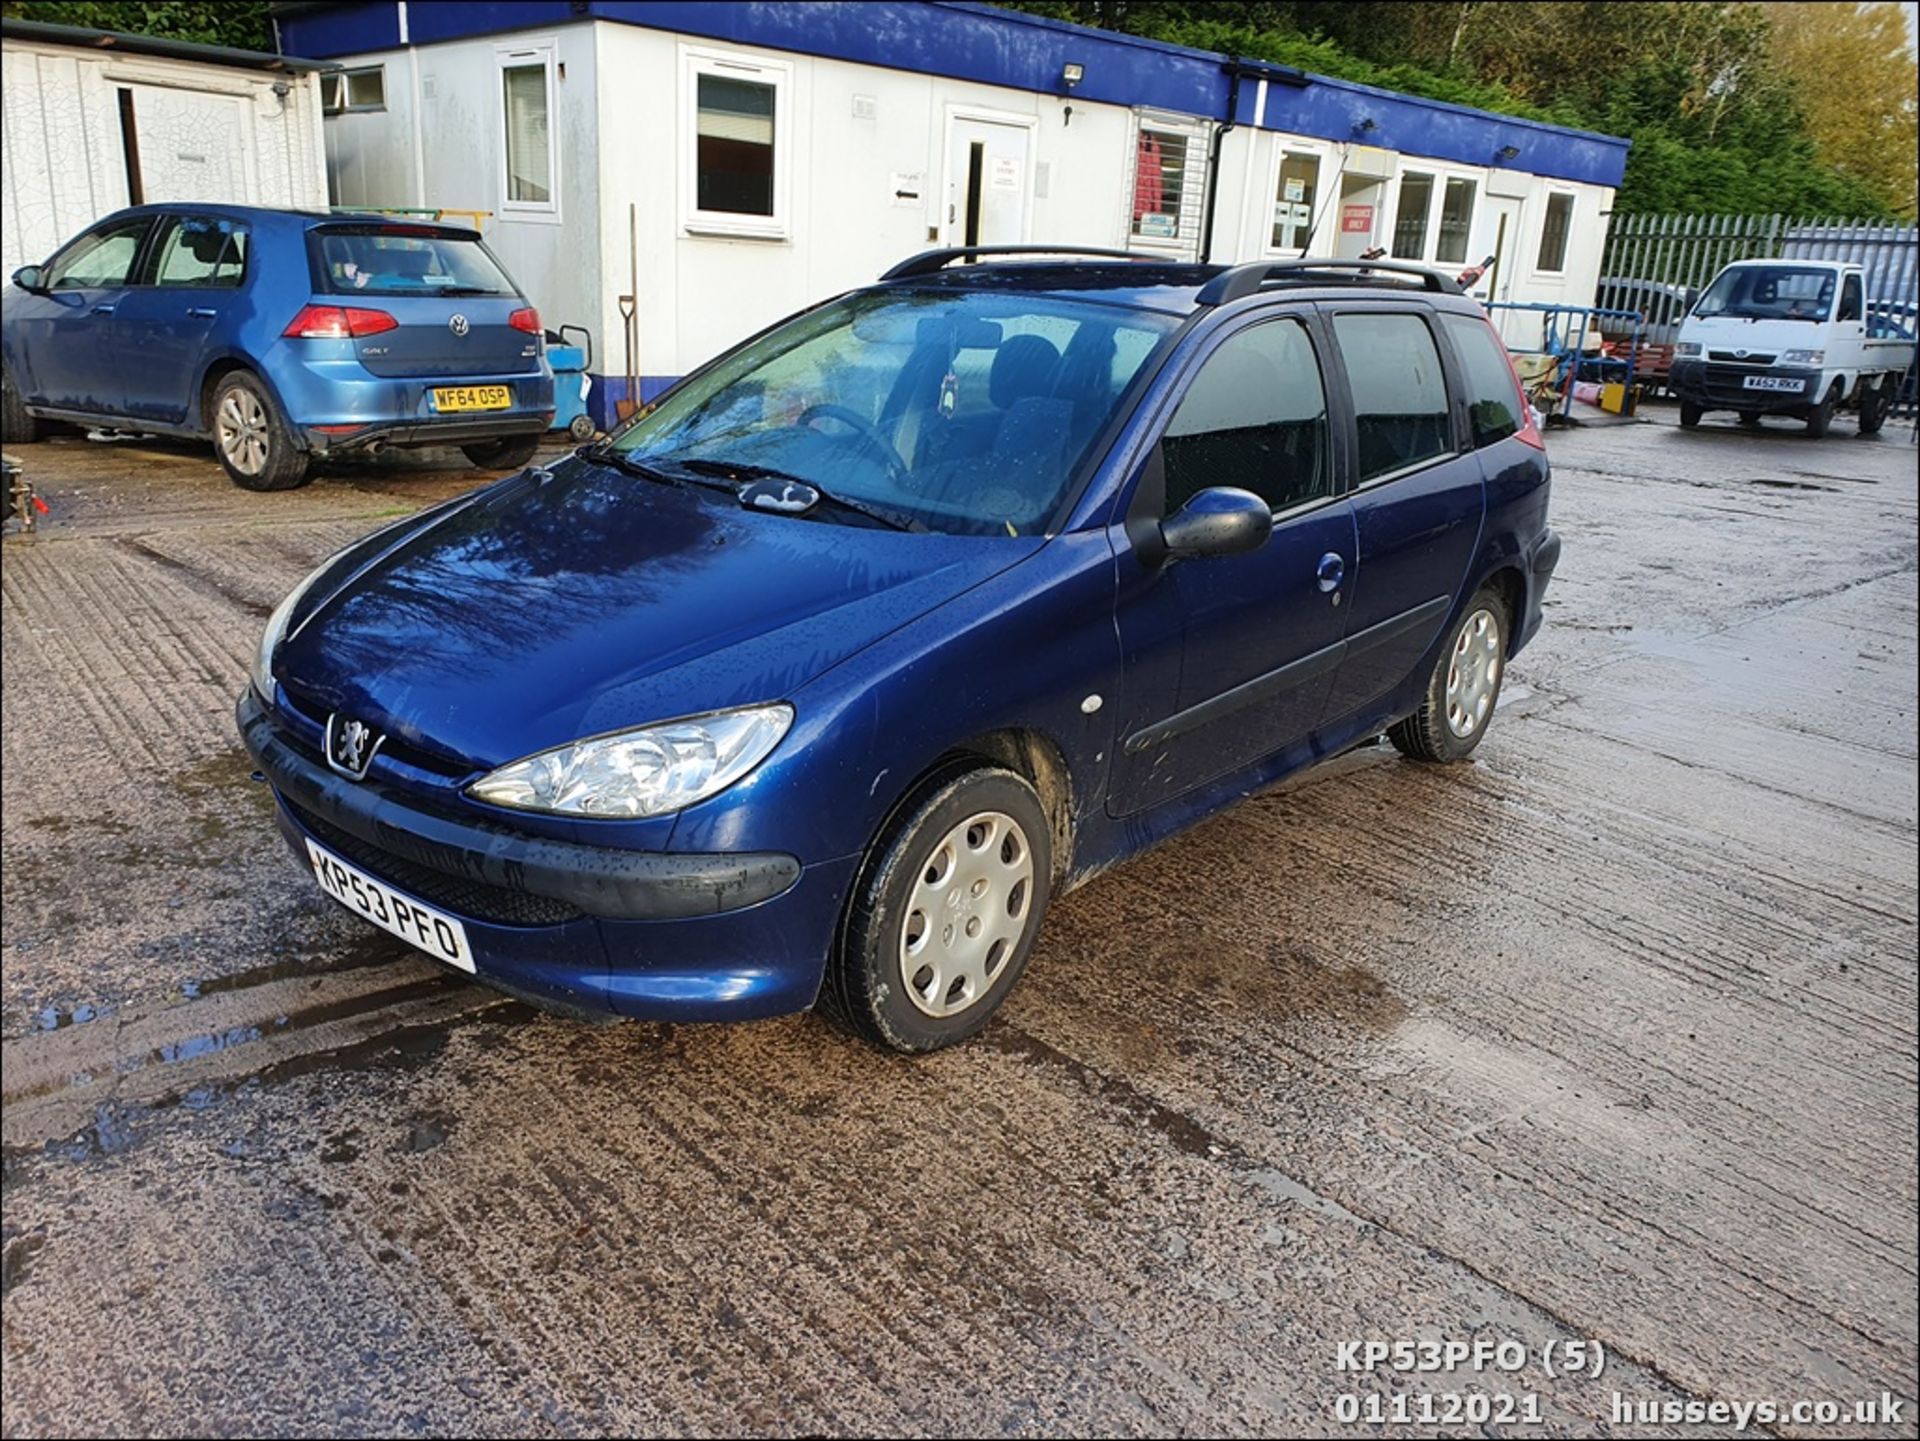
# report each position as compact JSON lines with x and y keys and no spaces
{"x":31,"y":278}
{"x":1221,"y":520}
{"x":1691,"y":299}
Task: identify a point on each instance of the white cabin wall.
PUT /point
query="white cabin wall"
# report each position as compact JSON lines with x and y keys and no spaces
{"x":65,"y":166}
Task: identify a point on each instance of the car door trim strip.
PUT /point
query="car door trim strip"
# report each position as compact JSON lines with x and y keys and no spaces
{"x":1282,"y":678}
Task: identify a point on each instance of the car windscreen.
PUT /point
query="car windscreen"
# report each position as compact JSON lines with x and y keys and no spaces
{"x":1769,"y":292}
{"x":403,"y":260}
{"x":963,"y":412}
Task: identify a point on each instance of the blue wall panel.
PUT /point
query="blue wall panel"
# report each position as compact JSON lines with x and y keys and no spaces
{"x":1022,"y":52}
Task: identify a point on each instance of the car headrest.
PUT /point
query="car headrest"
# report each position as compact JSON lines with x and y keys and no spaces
{"x":209,"y":247}
{"x":1024,"y":366}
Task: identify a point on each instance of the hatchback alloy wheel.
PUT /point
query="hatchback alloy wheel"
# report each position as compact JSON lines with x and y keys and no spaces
{"x":242,"y":431}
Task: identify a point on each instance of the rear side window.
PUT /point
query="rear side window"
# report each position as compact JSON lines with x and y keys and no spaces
{"x":1255,"y":417}
{"x":1491,"y":400}
{"x":404,"y":260}
{"x":1399,"y":391}
{"x":202,"y":252}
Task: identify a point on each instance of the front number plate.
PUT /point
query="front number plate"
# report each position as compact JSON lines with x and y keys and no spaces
{"x":1774,"y":382}
{"x":472,"y":397}
{"x":438,"y":934}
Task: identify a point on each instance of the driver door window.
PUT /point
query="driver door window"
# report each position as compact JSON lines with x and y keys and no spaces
{"x":1254,"y":417}
{"x":100,"y":260}
{"x":1850,"y":307}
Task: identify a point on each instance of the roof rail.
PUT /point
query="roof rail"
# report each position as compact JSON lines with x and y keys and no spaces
{"x":929,"y":262}
{"x":1244,"y":280}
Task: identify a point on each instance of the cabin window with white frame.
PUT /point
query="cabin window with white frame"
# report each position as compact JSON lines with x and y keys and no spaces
{"x":1295,"y":202}
{"x":740,"y":144}
{"x":344,"y":91}
{"x":734,"y":120}
{"x":1168,"y":166}
{"x":1410,"y":216}
{"x":1456,"y":222}
{"x":1553,"y":235}
{"x":526,"y":96}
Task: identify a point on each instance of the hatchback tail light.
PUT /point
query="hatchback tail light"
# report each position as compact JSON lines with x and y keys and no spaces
{"x":1529,"y":431}
{"x":337,"y":322}
{"x":526,"y":318}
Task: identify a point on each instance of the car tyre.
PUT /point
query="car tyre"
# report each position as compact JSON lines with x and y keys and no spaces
{"x":1464,"y":688}
{"x":944,"y":912}
{"x":510,"y":452}
{"x":1821,"y":416}
{"x":256,"y":447}
{"x":1874,"y":405}
{"x":1750,"y":419}
{"x":17,"y":425}
{"x":1689,"y":415}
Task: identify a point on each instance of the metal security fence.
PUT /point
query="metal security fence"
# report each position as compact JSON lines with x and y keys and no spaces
{"x":1688,"y":250}
{"x":1654,"y":263}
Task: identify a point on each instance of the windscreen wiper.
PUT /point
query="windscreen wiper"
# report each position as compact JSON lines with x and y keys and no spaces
{"x":602,"y":453}
{"x":797,"y":504}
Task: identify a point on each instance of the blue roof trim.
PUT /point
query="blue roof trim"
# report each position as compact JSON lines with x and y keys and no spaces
{"x":990,"y":46}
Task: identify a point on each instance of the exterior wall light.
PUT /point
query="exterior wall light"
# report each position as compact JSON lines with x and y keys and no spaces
{"x":1072,"y":73}
{"x":1507,"y":152}
{"x":1366,"y":126}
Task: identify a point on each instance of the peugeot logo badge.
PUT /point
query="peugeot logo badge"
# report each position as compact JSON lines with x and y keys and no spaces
{"x":1740,"y":355}
{"x":351,"y":746}
{"x":458,"y":325}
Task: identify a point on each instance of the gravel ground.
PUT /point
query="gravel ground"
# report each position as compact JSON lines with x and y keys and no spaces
{"x":1606,"y":1038}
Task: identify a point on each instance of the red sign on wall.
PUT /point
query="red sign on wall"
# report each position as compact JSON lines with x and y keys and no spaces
{"x":1356,"y":220}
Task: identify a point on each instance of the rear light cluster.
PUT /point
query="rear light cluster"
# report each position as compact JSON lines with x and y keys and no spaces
{"x":526,"y":318}
{"x":337,"y":322}
{"x":1529,"y":432}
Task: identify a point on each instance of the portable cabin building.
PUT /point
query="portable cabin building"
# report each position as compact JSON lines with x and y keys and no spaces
{"x":728,"y":163}
{"x":95,"y":120}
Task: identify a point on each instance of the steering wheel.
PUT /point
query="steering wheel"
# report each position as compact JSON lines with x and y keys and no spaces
{"x":868,"y":432}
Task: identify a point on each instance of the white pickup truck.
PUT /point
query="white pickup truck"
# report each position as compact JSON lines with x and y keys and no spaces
{"x":1789,"y":337}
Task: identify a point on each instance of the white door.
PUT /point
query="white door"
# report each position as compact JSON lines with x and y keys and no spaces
{"x":192,"y":145}
{"x":986,"y":183}
{"x":1500,"y":219}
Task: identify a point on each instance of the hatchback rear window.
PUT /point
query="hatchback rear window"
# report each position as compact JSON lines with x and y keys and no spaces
{"x":403,"y":260}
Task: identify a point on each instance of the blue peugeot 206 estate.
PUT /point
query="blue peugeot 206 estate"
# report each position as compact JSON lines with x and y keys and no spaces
{"x":820,"y":680}
{"x":284,"y":336}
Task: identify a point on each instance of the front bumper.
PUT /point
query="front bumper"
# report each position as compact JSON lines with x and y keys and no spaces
{"x":651,"y":935}
{"x":1722,"y":385}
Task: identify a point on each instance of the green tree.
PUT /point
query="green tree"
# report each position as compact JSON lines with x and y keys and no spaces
{"x":1854,"y":75}
{"x":242,"y":24}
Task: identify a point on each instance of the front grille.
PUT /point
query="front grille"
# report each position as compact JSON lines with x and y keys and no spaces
{"x":393,"y":747}
{"x":497,"y":905}
{"x":1757,"y":357}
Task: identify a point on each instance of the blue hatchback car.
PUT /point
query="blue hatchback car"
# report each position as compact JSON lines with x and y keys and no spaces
{"x":281,"y":335}
{"x":820,"y":680}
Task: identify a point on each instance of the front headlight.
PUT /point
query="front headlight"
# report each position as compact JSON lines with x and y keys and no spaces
{"x":1804,"y":357}
{"x":1687,"y":348}
{"x":270,"y":638}
{"x":648,"y":772}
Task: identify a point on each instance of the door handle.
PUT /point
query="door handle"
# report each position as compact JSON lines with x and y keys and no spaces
{"x":202,"y":312}
{"x":1331,"y":572}
{"x":105,"y":308}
